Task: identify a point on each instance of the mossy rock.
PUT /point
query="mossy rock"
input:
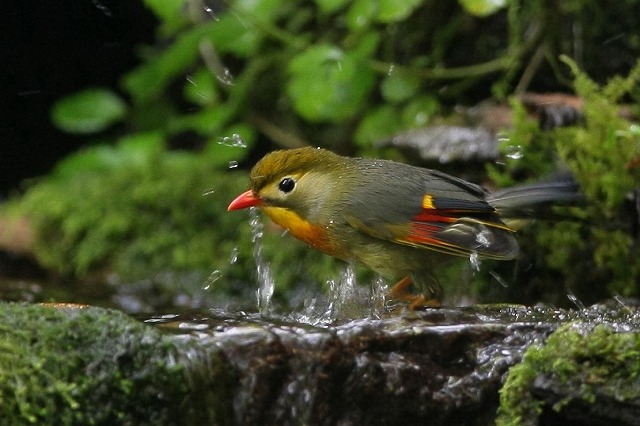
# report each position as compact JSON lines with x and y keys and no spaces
{"x":584,"y":374}
{"x":65,"y":365}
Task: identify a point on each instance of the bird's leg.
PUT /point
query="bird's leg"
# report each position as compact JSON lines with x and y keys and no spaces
{"x":399,"y":290}
{"x":419,"y":301}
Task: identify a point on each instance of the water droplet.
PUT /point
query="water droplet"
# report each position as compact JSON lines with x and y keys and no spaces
{"x":474,"y":259}
{"x":208,"y":192}
{"x":225,"y":77}
{"x":102,"y":8}
{"x":212,"y":278}
{"x":233,"y":256}
{"x":515,"y":152}
{"x":235,"y":141}
{"x":576,"y":301}
{"x":483,"y":237}
{"x":391,"y":68}
{"x":498,"y":278}
{"x":233,"y":164}
{"x":212,"y":13}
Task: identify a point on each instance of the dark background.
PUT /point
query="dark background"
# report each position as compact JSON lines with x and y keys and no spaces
{"x":51,"y":49}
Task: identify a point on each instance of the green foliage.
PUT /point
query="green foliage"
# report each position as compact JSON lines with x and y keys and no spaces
{"x":597,"y":252}
{"x":299,"y":72}
{"x":328,"y":84}
{"x":86,"y":366}
{"x":89,"y":111}
{"x":483,"y":7}
{"x":585,"y":363}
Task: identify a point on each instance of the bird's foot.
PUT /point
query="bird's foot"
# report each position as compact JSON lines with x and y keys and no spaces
{"x":420,"y":301}
{"x":400,"y":292}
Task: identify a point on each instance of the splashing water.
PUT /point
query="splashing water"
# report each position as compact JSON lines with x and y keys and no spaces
{"x":233,"y":256}
{"x":225,"y":77}
{"x":483,"y":237}
{"x":214,"y":63}
{"x":499,"y":279}
{"x":573,"y":298}
{"x":211,"y":279}
{"x":474,"y":260}
{"x":341,"y":291}
{"x":515,"y":152}
{"x":266,"y":283}
{"x":378,"y":297}
{"x":234,"y":141}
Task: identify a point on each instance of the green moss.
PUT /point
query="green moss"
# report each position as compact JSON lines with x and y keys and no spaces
{"x":600,"y":362}
{"x":595,"y":254}
{"x":137,"y":219}
{"x":86,"y":366}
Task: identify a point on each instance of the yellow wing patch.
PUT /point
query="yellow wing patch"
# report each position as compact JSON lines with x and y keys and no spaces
{"x":427,"y":202}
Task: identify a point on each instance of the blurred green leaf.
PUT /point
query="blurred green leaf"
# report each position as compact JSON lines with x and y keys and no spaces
{"x":394,"y":10}
{"x":232,"y":34}
{"x":398,"y":87}
{"x":328,"y":84}
{"x":360,"y":14}
{"x":89,"y":111}
{"x":420,"y":111}
{"x":132,"y":150}
{"x":482,"y":8}
{"x":330,"y":6}
{"x":150,"y":79}
{"x":379,"y":123}
{"x":200,"y":88}
{"x":264,"y":10}
{"x":169,"y":12}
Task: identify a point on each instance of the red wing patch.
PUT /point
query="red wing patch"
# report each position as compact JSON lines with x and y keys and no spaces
{"x":462,"y":232}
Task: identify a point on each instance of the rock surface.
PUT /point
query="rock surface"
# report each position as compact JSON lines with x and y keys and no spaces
{"x":437,"y":367}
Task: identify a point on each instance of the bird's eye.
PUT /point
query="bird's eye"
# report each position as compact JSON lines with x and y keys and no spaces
{"x":287,"y":185}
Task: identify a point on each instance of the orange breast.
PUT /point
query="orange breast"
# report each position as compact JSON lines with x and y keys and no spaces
{"x":314,"y":235}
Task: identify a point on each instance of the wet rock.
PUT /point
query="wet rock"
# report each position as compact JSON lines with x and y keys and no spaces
{"x":437,"y":367}
{"x":445,"y":144}
{"x":587,"y":373}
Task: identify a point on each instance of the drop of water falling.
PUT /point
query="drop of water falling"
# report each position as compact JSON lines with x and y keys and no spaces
{"x":233,"y":256}
{"x":235,"y":141}
{"x":212,"y":278}
{"x":225,"y":77}
{"x":208,"y":192}
{"x":474,"y":260}
{"x":266,"y":283}
{"x":391,"y":68}
{"x":102,"y":8}
{"x":483,"y":237}
{"x":576,"y":301}
{"x":499,"y":279}
{"x":233,"y":164}
{"x":379,"y":290}
{"x":515,"y":152}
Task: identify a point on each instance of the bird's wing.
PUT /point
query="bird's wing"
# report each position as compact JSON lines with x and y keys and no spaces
{"x":442,"y":213}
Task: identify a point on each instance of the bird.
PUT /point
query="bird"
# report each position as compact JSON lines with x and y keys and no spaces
{"x":396,"y":219}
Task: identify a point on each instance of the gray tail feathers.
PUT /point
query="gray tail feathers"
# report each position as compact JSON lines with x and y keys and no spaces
{"x":527,"y":200}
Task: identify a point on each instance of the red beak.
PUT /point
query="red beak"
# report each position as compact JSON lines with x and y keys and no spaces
{"x":244,"y":200}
